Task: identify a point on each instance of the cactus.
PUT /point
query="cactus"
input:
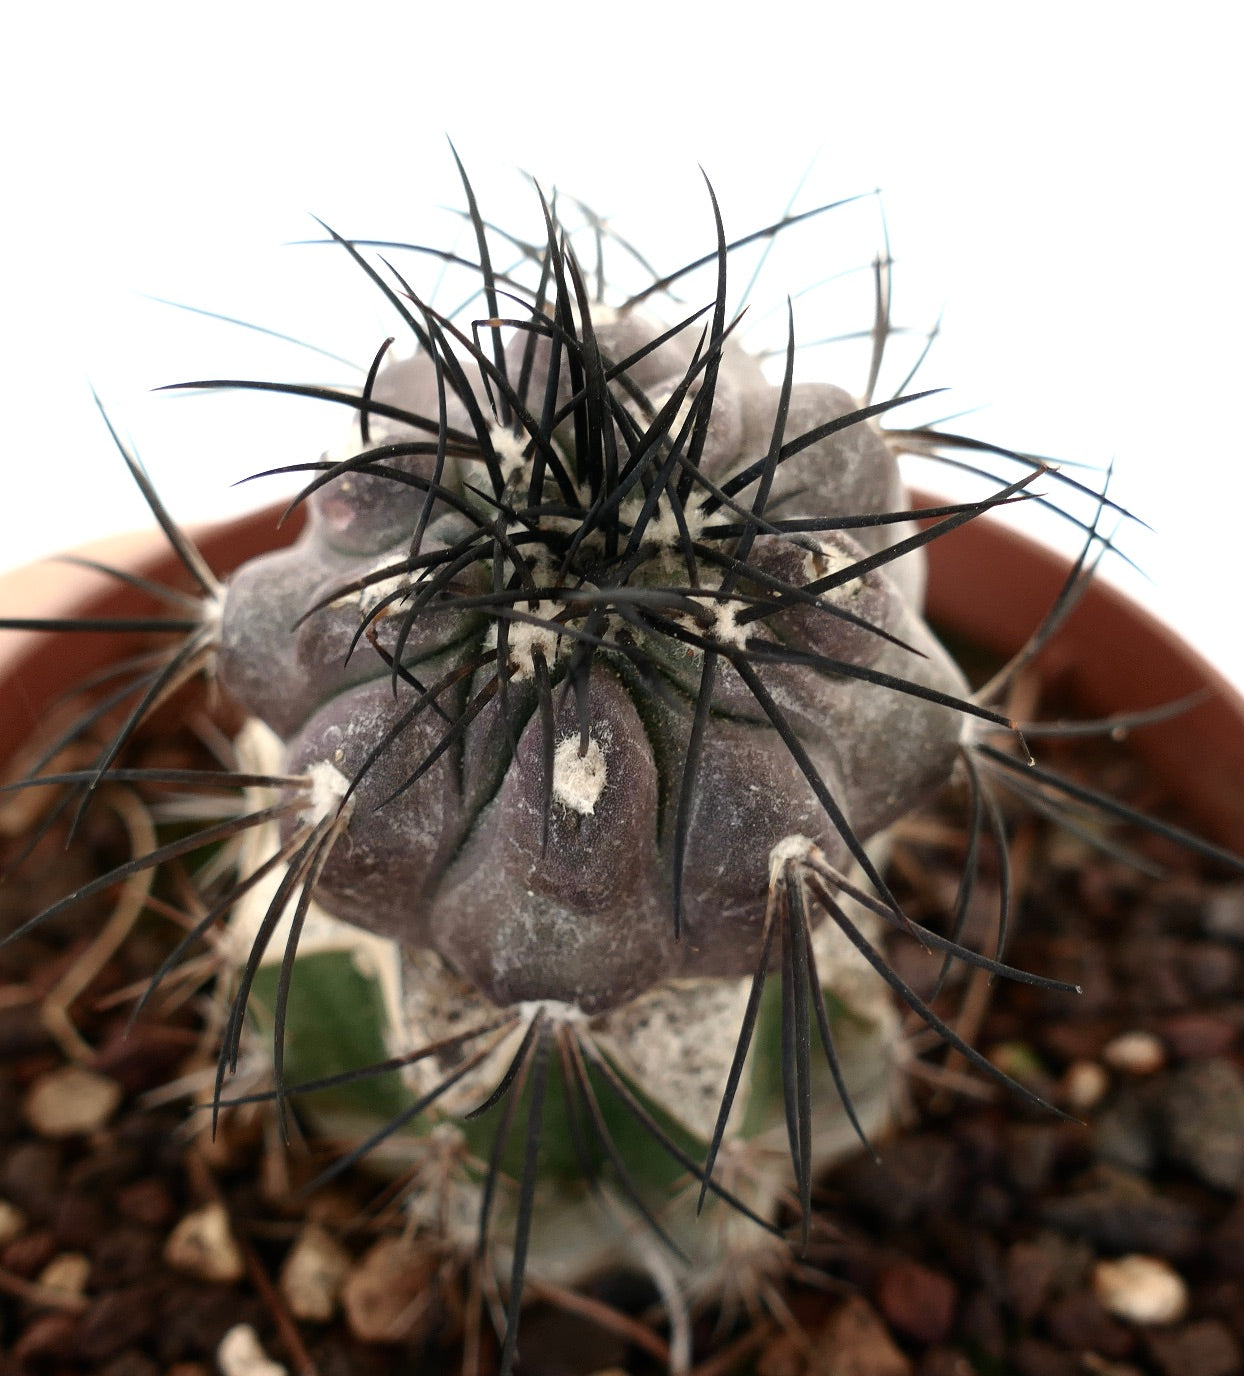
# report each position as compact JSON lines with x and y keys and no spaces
{"x":574,"y":722}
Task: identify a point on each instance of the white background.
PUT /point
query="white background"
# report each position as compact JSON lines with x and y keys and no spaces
{"x":1063,"y":179}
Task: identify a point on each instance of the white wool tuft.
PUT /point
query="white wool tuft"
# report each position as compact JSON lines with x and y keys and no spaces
{"x":509,"y":449}
{"x":830,"y":559}
{"x":524,"y":638}
{"x":793,"y":847}
{"x":328,"y":787}
{"x":579,"y":780}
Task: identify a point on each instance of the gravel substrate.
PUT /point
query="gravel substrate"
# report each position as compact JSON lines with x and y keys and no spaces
{"x":992,"y":1238}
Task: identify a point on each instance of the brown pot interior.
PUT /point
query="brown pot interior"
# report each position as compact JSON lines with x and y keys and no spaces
{"x":986,"y":585}
{"x":994,"y":587}
{"x":37,"y":668}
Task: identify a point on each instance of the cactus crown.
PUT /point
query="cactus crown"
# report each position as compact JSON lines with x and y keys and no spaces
{"x":597,"y":665}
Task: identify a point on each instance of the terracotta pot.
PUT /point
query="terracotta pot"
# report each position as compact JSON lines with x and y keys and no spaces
{"x":986,"y":584}
{"x":36,"y":667}
{"x":993,"y":587}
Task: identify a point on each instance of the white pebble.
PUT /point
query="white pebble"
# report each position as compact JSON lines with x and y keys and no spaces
{"x":313,"y":1274}
{"x":240,"y":1354}
{"x":1140,"y":1289}
{"x":66,"y":1273}
{"x":387,"y":1296}
{"x":1224,"y":914}
{"x":1084,"y":1085}
{"x":1137,"y":1053}
{"x":1097,"y":1365}
{"x":69,"y":1101}
{"x":12,"y":1222}
{"x":203,"y":1245}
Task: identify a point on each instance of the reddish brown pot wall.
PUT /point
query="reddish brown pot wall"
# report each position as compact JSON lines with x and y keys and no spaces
{"x":36,"y":668}
{"x":994,"y":587}
{"x":986,"y":584}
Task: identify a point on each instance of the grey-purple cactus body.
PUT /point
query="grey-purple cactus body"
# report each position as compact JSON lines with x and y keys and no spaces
{"x":538,"y":792}
{"x":573,"y":724}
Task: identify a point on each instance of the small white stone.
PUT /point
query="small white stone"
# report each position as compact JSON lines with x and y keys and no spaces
{"x":1224,"y":913}
{"x":1084,"y":1085}
{"x":12,"y":1222}
{"x":67,"y":1273}
{"x":1137,"y":1053}
{"x":579,"y":780}
{"x":1097,"y":1365}
{"x":313,"y":1274}
{"x":71,"y":1100}
{"x":387,"y":1297}
{"x":1142,"y":1290}
{"x":203,"y":1245}
{"x":240,"y":1354}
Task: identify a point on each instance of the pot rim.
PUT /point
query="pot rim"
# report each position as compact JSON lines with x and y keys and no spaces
{"x":35,"y":669}
{"x":1110,"y":653}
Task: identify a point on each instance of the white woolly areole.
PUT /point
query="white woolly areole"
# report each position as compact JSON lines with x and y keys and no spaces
{"x":830,"y":559}
{"x":524,"y":639}
{"x":509,"y":449}
{"x":662,"y":528}
{"x":261,"y":751}
{"x":579,"y":780}
{"x":211,"y":615}
{"x":328,"y":787}
{"x":555,"y":1011}
{"x":725,"y":626}
{"x":368,"y":597}
{"x":793,"y":847}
